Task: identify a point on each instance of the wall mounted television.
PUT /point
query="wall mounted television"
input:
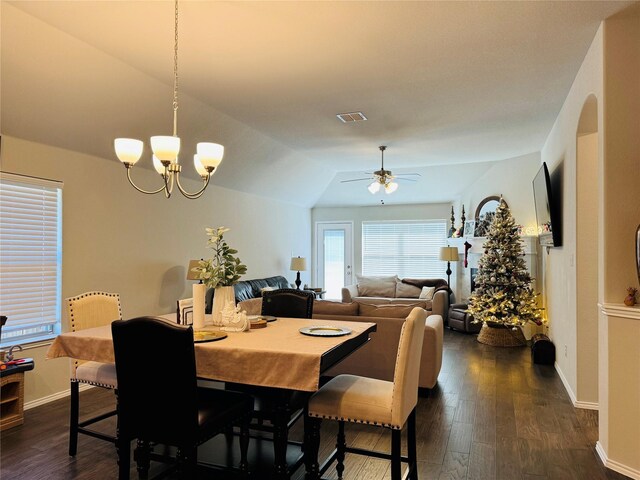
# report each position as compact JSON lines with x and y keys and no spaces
{"x":547,"y":214}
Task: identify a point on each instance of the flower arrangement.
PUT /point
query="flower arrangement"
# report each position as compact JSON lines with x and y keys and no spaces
{"x":224,"y":269}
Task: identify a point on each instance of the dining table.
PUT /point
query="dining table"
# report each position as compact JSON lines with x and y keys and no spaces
{"x":278,"y":356}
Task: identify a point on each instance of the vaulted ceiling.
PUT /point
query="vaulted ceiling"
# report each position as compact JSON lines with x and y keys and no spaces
{"x":441,"y":83}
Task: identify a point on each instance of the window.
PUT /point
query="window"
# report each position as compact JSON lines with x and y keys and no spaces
{"x":406,"y":249}
{"x":30,"y":258}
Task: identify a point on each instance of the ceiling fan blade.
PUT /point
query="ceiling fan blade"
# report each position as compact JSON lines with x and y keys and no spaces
{"x":408,"y":174}
{"x":356,"y":180}
{"x":405,"y":179}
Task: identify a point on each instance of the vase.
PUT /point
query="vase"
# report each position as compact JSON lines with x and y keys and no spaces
{"x":498,"y":335}
{"x":221,"y":298}
{"x":199,"y":291}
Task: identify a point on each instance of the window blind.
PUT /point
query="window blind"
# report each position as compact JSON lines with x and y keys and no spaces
{"x":30,"y":258}
{"x":406,"y":249}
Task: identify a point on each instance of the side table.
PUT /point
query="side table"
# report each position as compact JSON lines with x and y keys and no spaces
{"x":459,"y":319}
{"x":12,"y":394}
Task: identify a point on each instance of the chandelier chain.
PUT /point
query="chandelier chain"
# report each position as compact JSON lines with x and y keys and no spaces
{"x":175,"y":74}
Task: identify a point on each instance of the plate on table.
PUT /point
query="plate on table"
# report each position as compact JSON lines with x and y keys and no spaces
{"x":201,"y":336}
{"x":324,"y":331}
{"x":268,"y":318}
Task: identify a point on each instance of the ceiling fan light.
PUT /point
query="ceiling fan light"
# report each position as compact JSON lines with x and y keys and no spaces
{"x":374,"y":187}
{"x":210,"y":154}
{"x":128,"y":150}
{"x":165,"y":147}
{"x":390,"y":187}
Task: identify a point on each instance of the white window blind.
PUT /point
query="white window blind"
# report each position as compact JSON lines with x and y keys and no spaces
{"x":406,"y":249}
{"x":30,"y":258}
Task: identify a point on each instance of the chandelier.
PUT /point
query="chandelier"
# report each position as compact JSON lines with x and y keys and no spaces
{"x":166,"y":148}
{"x":382,"y":178}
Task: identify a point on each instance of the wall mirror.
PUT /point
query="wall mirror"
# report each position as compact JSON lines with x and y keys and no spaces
{"x":484,"y":214}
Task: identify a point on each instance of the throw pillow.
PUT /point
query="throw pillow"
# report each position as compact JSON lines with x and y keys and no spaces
{"x":377,"y":286}
{"x":404,"y":290}
{"x":267,"y":289}
{"x":326,"y":307}
{"x":389,"y":310}
{"x":427,"y":293}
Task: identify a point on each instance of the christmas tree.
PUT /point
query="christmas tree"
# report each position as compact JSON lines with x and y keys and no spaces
{"x":503,"y":293}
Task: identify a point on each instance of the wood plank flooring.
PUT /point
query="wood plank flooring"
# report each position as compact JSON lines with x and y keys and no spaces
{"x":493,"y":415}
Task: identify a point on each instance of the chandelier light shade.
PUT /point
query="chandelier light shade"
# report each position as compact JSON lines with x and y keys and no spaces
{"x":166,"y":148}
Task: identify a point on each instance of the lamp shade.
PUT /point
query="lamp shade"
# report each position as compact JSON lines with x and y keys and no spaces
{"x":298,"y":264}
{"x":128,"y":150}
{"x":165,"y":147}
{"x":449,"y":254}
{"x":191,"y":275}
{"x":210,"y":154}
{"x":374,"y":187}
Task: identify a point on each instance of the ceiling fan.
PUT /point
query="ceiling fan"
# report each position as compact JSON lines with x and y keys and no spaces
{"x":384,"y":178}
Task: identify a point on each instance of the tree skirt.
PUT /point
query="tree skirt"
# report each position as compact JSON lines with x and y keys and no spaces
{"x":501,"y":336}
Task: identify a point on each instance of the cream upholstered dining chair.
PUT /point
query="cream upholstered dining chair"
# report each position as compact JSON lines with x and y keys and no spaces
{"x":350,"y":398}
{"x":91,"y":309}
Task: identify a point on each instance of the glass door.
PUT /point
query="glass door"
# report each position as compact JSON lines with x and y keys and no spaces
{"x":334,"y":257}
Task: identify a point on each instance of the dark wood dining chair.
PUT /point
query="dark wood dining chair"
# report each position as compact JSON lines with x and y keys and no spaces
{"x":88,"y":310}
{"x":159,"y":400}
{"x":277,"y":410}
{"x":355,"y":399}
{"x":288,"y":302}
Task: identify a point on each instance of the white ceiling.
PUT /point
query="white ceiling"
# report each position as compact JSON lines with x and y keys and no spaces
{"x":441,"y":82}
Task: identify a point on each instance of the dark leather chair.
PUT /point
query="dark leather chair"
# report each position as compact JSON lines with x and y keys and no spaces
{"x":459,"y":319}
{"x":159,"y":400}
{"x":288,"y":302}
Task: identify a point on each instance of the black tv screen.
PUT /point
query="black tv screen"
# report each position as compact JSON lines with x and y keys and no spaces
{"x":546,"y":215}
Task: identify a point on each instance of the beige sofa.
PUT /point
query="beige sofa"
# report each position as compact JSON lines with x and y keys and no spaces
{"x":377,"y":358}
{"x":391,"y":289}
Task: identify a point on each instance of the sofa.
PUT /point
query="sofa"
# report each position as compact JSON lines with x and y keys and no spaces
{"x":247,"y":289}
{"x":391,"y":289}
{"x":377,"y":358}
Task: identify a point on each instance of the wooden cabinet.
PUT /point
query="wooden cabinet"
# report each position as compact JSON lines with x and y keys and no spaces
{"x":11,"y":400}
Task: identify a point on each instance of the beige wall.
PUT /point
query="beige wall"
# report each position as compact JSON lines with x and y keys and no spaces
{"x":558,"y":265}
{"x":118,"y":240}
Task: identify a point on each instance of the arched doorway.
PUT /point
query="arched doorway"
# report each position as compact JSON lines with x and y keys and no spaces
{"x":587,"y":200}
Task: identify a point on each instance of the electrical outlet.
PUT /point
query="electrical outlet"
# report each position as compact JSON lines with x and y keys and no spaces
{"x":565,"y":350}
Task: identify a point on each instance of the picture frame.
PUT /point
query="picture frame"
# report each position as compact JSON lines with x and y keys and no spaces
{"x":469,"y":228}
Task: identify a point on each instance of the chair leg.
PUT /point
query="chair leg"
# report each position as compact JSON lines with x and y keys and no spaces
{"x":142,"y":458}
{"x":244,"y":446}
{"x":280,"y":439}
{"x":312,"y":446}
{"x":411,"y":447}
{"x":341,"y":446}
{"x":74,"y":418}
{"x":396,"y":470}
{"x":124,"y":457}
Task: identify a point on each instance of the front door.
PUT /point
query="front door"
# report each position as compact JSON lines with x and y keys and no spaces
{"x":334,"y":257}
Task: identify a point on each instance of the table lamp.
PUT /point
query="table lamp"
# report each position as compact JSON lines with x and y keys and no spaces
{"x":191,"y":275}
{"x":298,"y":264}
{"x":449,"y":254}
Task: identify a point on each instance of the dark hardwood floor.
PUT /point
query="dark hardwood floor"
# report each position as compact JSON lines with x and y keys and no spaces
{"x":493,"y":415}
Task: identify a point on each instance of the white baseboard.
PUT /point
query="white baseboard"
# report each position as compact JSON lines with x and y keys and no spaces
{"x":615,"y":466}
{"x":53,"y":397}
{"x":586,"y":405}
{"x":576,"y":403}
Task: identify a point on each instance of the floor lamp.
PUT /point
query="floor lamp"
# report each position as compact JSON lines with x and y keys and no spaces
{"x":449,"y":254}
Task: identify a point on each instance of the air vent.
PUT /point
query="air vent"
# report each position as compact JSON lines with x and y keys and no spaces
{"x":351,"y":117}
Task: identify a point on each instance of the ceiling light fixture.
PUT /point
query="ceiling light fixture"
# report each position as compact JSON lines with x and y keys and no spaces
{"x":383,"y":178}
{"x":166,"y":148}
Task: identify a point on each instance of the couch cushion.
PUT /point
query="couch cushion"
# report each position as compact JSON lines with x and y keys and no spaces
{"x":326,"y":307}
{"x":376,"y":286}
{"x":404,"y":290}
{"x":390,"y":310}
{"x":427,"y":293}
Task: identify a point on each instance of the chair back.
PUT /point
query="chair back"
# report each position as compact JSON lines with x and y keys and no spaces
{"x":93,"y":309}
{"x":288,"y":302}
{"x":407,"y":370}
{"x":157,"y":386}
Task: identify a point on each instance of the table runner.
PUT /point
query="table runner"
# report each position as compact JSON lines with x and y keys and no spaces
{"x":276,"y":356}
